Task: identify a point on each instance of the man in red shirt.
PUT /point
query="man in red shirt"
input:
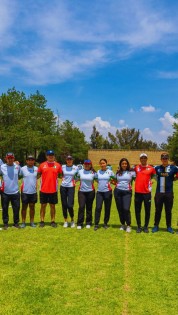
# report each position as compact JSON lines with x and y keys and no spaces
{"x":49,"y":171}
{"x":143,"y":183}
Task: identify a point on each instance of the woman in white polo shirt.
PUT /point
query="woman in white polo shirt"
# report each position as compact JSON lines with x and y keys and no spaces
{"x":86,"y":194}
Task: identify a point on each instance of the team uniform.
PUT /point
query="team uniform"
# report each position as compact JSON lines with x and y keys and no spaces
{"x":164,"y":192}
{"x":29,"y":184}
{"x":143,"y":192}
{"x":49,"y":182}
{"x":67,"y":189}
{"x":86,"y":195}
{"x":104,"y":194}
{"x":10,"y":191}
{"x":123,"y":195}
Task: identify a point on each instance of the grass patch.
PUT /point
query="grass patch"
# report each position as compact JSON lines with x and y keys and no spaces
{"x":68,"y":271}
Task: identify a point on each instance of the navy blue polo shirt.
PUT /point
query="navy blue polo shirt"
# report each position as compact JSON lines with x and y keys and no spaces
{"x":165,"y":178}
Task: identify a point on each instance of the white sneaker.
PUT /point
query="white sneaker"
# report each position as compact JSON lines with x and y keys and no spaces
{"x":122,"y":228}
{"x":79,"y":227}
{"x":72,"y":224}
{"x":128,"y":229}
{"x":65,"y":225}
{"x":88,"y":226}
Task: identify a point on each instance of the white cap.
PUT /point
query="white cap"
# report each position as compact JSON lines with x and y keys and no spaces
{"x":143,"y":154}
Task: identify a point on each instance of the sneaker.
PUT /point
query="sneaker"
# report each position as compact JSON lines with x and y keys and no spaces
{"x":96,"y":227}
{"x":5,"y":227}
{"x":122,"y":228}
{"x":105,"y":226}
{"x":42,"y":224}
{"x":65,"y":225}
{"x":128,"y":229}
{"x":79,"y":227}
{"x":155,"y":229}
{"x":88,"y":226}
{"x":170,"y":230}
{"x":33,"y":225}
{"x":72,"y":224}
{"x":16,"y":225}
{"x":53,"y":224}
{"x":139,"y":230}
{"x":145,"y":229}
{"x":23,"y":225}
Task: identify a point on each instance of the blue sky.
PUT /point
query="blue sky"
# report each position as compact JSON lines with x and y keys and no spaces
{"x":112,"y":63}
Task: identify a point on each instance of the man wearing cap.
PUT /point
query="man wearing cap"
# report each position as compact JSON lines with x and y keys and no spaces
{"x":166,"y":174}
{"x":10,"y":173}
{"x":29,"y":190}
{"x":67,"y":190}
{"x":143,"y":183}
{"x":49,"y":172}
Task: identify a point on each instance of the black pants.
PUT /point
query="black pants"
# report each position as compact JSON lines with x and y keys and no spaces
{"x":165,"y":199}
{"x":101,"y":197}
{"x":85,"y":199}
{"x":139,"y":198}
{"x":67,"y":200}
{"x":15,"y":202}
{"x":123,"y":202}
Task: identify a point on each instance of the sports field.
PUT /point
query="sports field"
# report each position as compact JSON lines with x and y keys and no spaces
{"x":70,"y":271}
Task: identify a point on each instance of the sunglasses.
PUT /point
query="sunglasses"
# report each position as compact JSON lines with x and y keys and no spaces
{"x":164,"y":158}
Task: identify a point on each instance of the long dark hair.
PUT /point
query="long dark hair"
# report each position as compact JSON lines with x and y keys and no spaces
{"x":120,"y":170}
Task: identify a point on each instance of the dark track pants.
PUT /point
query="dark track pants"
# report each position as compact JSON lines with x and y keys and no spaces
{"x":139,"y":198}
{"x":67,"y":200}
{"x":85,"y":199}
{"x":165,"y":199}
{"x":123,"y":202}
{"x":101,"y":197}
{"x":15,"y":202}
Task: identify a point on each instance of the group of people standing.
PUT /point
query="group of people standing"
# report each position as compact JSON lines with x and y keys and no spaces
{"x":143,"y":174}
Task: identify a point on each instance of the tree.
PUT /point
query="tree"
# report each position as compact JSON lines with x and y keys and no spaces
{"x":96,"y":139}
{"x":26,"y":124}
{"x":173,"y":141}
{"x":73,"y":142}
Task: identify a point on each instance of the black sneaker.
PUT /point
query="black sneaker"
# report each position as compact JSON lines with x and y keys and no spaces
{"x":96,"y":227}
{"x":105,"y":226}
{"x":139,"y":230}
{"x":53,"y":224}
{"x":42,"y":224}
{"x":145,"y":230}
{"x":16,"y":225}
{"x":5,"y":227}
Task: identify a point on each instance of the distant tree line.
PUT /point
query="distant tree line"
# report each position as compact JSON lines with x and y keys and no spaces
{"x":28,"y":126}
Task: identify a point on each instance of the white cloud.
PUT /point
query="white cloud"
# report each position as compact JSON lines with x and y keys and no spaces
{"x":168,"y":75}
{"x":167,"y":121}
{"x":103,"y":126}
{"x":147,"y":134}
{"x":148,"y":109}
{"x":53,"y":41}
{"x":121,"y":122}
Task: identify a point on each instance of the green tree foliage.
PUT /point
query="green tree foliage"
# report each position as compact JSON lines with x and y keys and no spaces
{"x":73,"y":142}
{"x":173,"y":142}
{"x":28,"y":126}
{"x":25,"y":123}
{"x":97,"y":140}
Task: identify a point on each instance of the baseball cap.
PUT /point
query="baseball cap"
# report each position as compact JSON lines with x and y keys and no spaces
{"x":69,"y":157}
{"x":87,"y":162}
{"x":30,"y":157}
{"x":164,"y":156}
{"x":50,"y":152}
{"x":10,"y":155}
{"x":143,"y":154}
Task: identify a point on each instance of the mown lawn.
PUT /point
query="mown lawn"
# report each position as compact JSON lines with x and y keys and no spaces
{"x":68,"y":271}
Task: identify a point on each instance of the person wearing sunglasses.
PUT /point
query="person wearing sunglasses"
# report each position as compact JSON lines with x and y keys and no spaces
{"x":166,"y":174}
{"x":143,"y":185}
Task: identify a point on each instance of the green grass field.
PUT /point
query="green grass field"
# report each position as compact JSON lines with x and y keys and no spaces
{"x":70,"y":271}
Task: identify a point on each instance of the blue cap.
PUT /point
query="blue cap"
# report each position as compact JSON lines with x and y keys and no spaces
{"x":87,"y":162}
{"x":50,"y":152}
